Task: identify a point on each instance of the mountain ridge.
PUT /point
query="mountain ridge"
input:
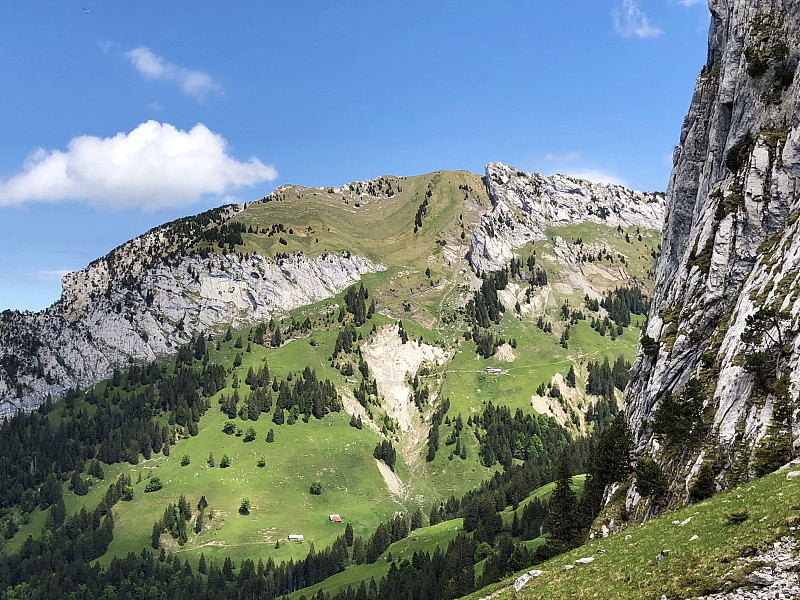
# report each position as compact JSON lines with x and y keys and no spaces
{"x":79,"y":339}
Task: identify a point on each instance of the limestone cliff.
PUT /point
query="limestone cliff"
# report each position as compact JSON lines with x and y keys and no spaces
{"x":731,"y":246}
{"x":525,"y":204}
{"x":146,"y":298}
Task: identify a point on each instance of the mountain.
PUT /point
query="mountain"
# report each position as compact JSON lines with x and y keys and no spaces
{"x":397,"y":351}
{"x":427,"y":360}
{"x":721,"y":349}
{"x":524,"y":205}
{"x":242,"y":264}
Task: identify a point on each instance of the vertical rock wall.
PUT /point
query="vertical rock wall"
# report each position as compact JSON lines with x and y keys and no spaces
{"x":731,"y":242}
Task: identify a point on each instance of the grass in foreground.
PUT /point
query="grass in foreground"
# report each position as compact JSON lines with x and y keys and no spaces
{"x":626,"y":569}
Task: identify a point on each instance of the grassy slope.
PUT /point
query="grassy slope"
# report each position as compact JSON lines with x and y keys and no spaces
{"x":539,"y":355}
{"x":329,"y":451}
{"x":626,"y":569}
{"x":383,"y":230}
{"x":425,"y":539}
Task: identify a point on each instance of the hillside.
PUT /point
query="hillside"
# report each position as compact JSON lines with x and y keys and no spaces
{"x":334,"y":339}
{"x":243,"y":264}
{"x":743,"y":537}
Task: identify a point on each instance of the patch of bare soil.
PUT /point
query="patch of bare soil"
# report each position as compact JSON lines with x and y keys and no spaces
{"x":505,"y":353}
{"x":393,"y":482}
{"x":353,"y":407}
{"x":551,"y":407}
{"x":392,"y":362}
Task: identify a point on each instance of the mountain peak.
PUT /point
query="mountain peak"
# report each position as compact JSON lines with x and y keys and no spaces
{"x":524,"y":205}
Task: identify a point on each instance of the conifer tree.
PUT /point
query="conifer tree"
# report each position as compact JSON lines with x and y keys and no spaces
{"x":198,"y":524}
{"x":703,"y":486}
{"x":562,"y":521}
{"x":650,"y":479}
{"x":612,"y":458}
{"x":570,"y":379}
{"x":348,"y":534}
{"x":155,"y":535}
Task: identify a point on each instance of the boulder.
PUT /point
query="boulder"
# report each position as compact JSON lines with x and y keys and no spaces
{"x":761,"y":578}
{"x":525,"y":578}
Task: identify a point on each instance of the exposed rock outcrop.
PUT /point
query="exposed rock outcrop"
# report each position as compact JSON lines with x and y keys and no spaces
{"x":392,"y":362}
{"x":775,"y":577}
{"x":118,"y":310}
{"x":731,"y":243}
{"x":525,"y":204}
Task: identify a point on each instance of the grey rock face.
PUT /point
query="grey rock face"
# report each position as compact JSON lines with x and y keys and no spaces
{"x":761,"y":578}
{"x":730,"y":243}
{"x":778,"y":582}
{"x":524,"y":205}
{"x":150,"y":310}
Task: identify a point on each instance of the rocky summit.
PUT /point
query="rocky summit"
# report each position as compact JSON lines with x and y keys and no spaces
{"x":153,"y":293}
{"x":524,"y":204}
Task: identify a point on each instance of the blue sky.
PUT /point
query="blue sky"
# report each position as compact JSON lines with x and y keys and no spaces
{"x":135,"y":113}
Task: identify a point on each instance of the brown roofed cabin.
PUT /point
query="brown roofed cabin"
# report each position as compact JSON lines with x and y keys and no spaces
{"x":335,"y":518}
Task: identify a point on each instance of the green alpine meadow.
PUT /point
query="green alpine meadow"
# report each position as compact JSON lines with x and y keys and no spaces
{"x":455,"y":384}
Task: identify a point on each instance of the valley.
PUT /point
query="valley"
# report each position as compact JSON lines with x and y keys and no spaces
{"x":441,"y":386}
{"x":398,"y":348}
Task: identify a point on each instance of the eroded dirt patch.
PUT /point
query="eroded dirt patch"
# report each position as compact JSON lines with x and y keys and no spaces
{"x":391,"y":362}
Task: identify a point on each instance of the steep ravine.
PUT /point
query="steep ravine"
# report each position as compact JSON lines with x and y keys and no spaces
{"x":730,"y":245}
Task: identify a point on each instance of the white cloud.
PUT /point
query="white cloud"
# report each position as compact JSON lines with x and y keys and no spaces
{"x":598,"y":176}
{"x":56,"y":275}
{"x":629,"y":20}
{"x":685,"y":2}
{"x":562,"y":158}
{"x":151,"y":66}
{"x":155,"y":165}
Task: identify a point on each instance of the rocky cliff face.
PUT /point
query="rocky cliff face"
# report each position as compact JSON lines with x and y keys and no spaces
{"x":730,"y":247}
{"x":525,"y":204}
{"x":130,"y":306}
